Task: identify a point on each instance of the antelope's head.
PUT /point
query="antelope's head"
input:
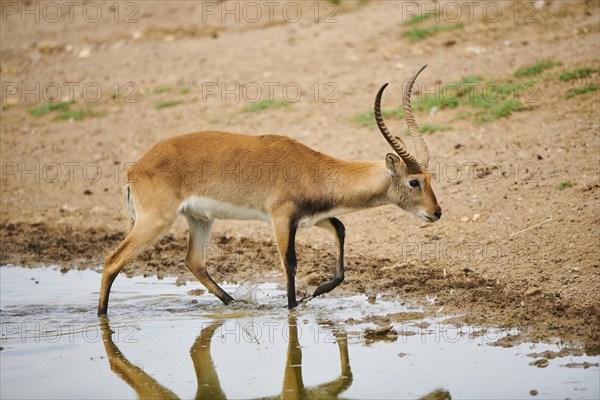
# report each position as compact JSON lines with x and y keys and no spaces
{"x":411,"y":183}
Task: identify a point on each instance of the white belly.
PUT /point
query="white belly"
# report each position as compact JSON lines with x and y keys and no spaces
{"x":207,"y":208}
{"x":311,"y":220}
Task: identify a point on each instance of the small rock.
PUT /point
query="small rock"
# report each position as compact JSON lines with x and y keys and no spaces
{"x":195,"y":292}
{"x":84,"y":53}
{"x":532,"y":291}
{"x":180,"y":281}
{"x":475,"y":50}
{"x":372,"y":298}
{"x":87,"y":192}
{"x":98,"y":210}
{"x":35,"y":56}
{"x":464,"y":219}
{"x":476,"y":217}
{"x":533,"y":392}
{"x":382,"y":333}
{"x":541,"y":363}
{"x":48,"y":47}
{"x":507,"y":43}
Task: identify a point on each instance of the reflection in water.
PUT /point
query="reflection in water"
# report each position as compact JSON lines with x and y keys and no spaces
{"x":293,"y":386}
{"x":209,"y":386}
{"x":144,"y":385}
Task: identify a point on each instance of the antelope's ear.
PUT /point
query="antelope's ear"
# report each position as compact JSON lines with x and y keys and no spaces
{"x":394,"y":164}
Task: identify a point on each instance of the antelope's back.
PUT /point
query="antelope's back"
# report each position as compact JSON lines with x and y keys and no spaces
{"x":229,"y":166}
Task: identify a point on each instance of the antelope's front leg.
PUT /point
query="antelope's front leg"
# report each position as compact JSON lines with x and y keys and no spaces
{"x":285,"y":229}
{"x":336,"y":227}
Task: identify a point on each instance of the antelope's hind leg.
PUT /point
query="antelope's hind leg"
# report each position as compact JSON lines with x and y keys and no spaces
{"x":146,"y":230}
{"x":194,"y":260}
{"x":336,"y":227}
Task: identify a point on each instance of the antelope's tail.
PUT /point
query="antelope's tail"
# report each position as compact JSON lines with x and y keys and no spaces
{"x":130,"y":206}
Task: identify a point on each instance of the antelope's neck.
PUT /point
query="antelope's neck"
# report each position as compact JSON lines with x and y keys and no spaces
{"x":361,"y":184}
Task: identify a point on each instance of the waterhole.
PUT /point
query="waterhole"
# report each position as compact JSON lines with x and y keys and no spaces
{"x":167,"y":341}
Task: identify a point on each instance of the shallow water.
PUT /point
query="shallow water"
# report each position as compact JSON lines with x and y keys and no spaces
{"x":162,"y":342}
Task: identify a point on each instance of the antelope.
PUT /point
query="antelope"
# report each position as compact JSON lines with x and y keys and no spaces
{"x":219,"y":175}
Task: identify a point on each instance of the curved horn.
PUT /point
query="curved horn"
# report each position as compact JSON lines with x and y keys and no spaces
{"x":413,"y":128}
{"x":397,"y":144}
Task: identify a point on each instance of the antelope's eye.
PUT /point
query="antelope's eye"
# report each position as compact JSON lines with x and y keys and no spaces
{"x":414,"y":183}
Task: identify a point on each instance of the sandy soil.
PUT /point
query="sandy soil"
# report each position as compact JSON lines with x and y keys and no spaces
{"x":511,"y":249}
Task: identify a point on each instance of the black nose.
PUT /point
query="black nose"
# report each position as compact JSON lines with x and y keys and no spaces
{"x":438,"y":213}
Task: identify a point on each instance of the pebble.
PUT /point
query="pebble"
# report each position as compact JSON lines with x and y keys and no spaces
{"x":476,"y":217}
{"x":84,"y":53}
{"x":465,"y":219}
{"x":532,"y":291}
{"x":541,"y":363}
{"x":475,"y":50}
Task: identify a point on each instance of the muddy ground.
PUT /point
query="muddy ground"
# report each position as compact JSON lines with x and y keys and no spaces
{"x":518,"y":244}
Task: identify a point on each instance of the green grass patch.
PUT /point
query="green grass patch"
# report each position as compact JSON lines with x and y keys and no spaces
{"x":430,"y":128}
{"x":477,"y":99}
{"x":577,"y":73}
{"x":160,"y":90}
{"x":185,"y":90}
{"x":565,"y":184}
{"x":47,"y":108}
{"x":166,"y":104}
{"x":264,"y":104}
{"x":417,"y":19}
{"x":418,"y":34}
{"x":536,"y":69}
{"x":431,"y":100}
{"x":78,"y":115}
{"x":367,"y":118}
{"x":499,"y":110}
{"x":590,"y":87}
{"x":471,"y":79}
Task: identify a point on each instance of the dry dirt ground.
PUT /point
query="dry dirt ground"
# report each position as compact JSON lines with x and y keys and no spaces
{"x":512,"y":248}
